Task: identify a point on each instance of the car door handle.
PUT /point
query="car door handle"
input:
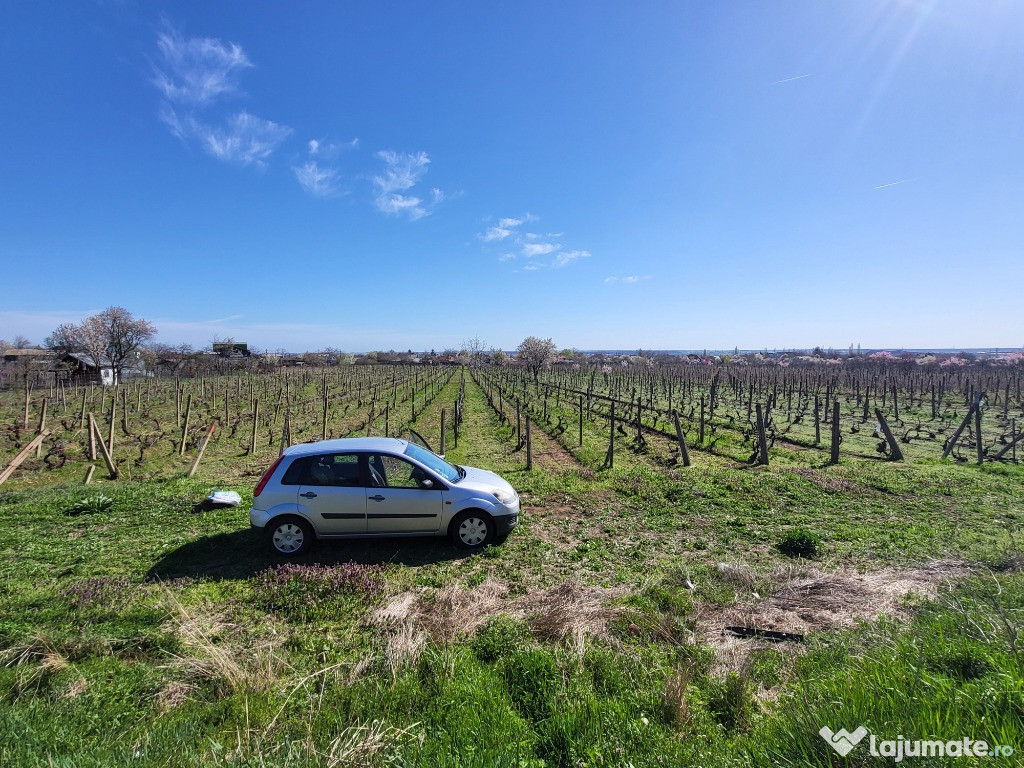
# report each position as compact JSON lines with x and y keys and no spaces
{"x":378,"y":497}
{"x":308,"y":495}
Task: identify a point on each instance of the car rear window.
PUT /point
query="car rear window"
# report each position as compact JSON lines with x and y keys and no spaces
{"x":340,"y":469}
{"x":298,"y":470}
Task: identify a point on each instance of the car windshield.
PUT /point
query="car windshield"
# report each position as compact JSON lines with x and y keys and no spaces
{"x":435,"y":462}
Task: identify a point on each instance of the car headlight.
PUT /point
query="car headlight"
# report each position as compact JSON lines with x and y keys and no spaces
{"x":508,"y":498}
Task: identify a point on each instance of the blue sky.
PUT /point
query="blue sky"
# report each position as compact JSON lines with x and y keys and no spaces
{"x":375,"y":175}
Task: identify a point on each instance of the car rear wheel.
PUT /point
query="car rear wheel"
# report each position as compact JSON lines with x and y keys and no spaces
{"x":472,"y":530}
{"x":290,"y":536}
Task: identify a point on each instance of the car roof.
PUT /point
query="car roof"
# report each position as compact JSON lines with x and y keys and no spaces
{"x":388,"y":444}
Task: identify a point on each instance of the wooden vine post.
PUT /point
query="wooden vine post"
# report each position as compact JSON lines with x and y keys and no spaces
{"x":255,"y":424}
{"x":202,"y":447}
{"x":684,"y":454}
{"x":323,"y":432}
{"x":529,"y":446}
{"x":976,"y":405}
{"x":977,"y":431}
{"x":184,"y":427}
{"x":894,"y":447}
{"x":23,"y":454}
{"x":42,"y":426}
{"x":105,"y":452}
{"x":581,"y":421}
{"x":609,"y":459}
{"x":837,"y":436}
{"x":762,"y":441}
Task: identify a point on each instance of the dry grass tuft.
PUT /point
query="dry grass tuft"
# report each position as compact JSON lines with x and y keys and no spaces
{"x":405,"y":643}
{"x":37,"y":660}
{"x":172,"y":695}
{"x":77,"y":688}
{"x":410,"y":618}
{"x":455,"y":611}
{"x":375,"y":744}
{"x":220,"y":652}
{"x":737,"y":574}
{"x":804,"y":599}
{"x":569,"y":612}
{"x":677,"y":706}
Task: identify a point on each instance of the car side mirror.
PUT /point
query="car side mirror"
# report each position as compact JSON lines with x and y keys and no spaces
{"x":426,"y":483}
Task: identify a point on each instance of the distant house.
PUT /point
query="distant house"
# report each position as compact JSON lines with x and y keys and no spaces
{"x":80,"y":367}
{"x":27,"y":355}
{"x":28,"y":364}
{"x":231,"y":348}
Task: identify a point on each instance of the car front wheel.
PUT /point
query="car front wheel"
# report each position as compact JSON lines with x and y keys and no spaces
{"x":472,"y":530}
{"x":290,"y":536}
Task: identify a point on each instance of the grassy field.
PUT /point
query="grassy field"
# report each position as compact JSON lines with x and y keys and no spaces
{"x":137,"y":627}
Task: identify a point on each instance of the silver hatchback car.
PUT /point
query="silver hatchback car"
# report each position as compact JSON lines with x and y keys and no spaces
{"x":378,"y":486}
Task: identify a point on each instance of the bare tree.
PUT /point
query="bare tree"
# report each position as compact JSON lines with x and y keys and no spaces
{"x":498,"y":357}
{"x":474,"y":350}
{"x":115,"y":335}
{"x":20,"y":342}
{"x":171,"y":359}
{"x":536,"y":354}
{"x":65,"y":338}
{"x":331,"y":355}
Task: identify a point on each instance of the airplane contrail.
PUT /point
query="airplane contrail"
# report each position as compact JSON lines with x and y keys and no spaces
{"x":892,"y":184}
{"x":789,"y":79}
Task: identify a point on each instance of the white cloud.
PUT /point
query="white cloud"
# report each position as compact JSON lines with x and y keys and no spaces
{"x":627,"y":279}
{"x":317,"y":180}
{"x":328,"y":151}
{"x":245,"y":140}
{"x":501,"y":230}
{"x":197,"y":70}
{"x":507,"y":227}
{"x":318,"y":176}
{"x":532,"y":245}
{"x":193,"y":74}
{"x":402,"y":172}
{"x":530,"y":250}
{"x":568,"y":257}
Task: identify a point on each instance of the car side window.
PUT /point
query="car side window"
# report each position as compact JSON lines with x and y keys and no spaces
{"x":337,"y":469}
{"x":397,"y":473}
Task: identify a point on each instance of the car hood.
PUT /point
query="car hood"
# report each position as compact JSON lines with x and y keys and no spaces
{"x":484,"y":481}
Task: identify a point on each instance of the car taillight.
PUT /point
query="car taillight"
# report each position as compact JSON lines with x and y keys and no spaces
{"x":266,"y":476}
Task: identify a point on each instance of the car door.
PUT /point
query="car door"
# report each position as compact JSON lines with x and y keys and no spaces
{"x":403,"y":497}
{"x":333,"y":493}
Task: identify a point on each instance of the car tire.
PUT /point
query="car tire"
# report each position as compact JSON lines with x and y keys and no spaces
{"x":290,"y":536}
{"x":472,"y":530}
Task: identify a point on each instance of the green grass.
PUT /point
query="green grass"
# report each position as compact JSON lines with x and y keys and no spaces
{"x":139,"y":628}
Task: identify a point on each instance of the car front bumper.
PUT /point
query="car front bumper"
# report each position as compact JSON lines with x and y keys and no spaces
{"x":504,"y":524}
